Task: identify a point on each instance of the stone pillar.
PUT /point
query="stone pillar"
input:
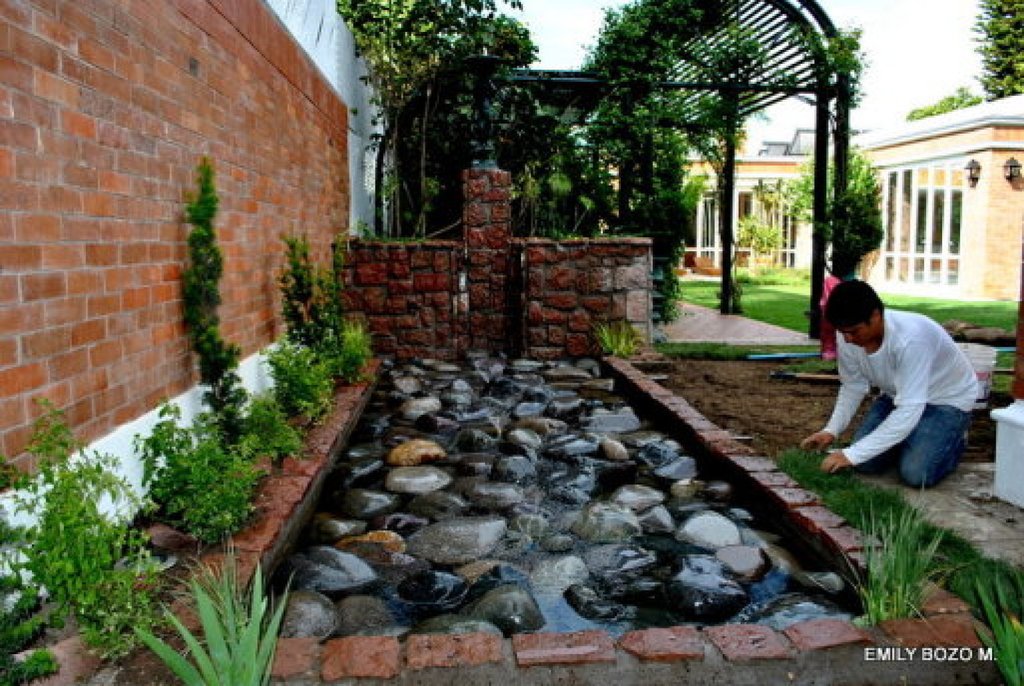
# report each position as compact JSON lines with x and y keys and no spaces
{"x":486,"y":215}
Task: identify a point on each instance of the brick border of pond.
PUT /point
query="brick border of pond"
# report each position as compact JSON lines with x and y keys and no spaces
{"x":818,"y":651}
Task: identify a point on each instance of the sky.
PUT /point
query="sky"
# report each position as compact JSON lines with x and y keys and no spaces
{"x":917,"y":52}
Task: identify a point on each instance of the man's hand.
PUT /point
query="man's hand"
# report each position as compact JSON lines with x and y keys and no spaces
{"x":834,"y":462}
{"x":818,"y":441}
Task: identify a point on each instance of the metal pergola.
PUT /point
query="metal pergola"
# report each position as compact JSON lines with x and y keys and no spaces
{"x":792,"y":61}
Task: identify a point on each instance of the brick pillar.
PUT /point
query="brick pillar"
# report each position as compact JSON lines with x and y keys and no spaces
{"x":486,"y":212}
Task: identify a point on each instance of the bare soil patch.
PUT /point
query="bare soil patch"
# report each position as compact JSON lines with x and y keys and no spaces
{"x":742,"y":397}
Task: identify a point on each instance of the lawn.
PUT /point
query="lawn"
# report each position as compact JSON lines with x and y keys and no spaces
{"x":785,"y":305}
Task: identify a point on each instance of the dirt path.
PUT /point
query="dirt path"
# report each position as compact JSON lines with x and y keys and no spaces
{"x":743,"y":398}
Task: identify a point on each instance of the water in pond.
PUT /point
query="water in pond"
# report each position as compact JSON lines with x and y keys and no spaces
{"x":523,"y":496}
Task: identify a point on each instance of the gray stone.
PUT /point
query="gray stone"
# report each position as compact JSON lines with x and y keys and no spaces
{"x":363,"y":615}
{"x":361,"y":503}
{"x":528,"y":409}
{"x":710,"y":530}
{"x":409,"y":385}
{"x":329,"y":571}
{"x":618,"y":422}
{"x":677,"y":470}
{"x":416,"y":480}
{"x":566,"y":373}
{"x":554,"y":575}
{"x":525,"y":438}
{"x":511,"y":608}
{"x":327,"y":529}
{"x":637,"y":497}
{"x":601,"y":522}
{"x":494,"y":495}
{"x":747,"y":562}
{"x":308,"y":615}
{"x":455,"y":624}
{"x":542,"y":426}
{"x":558,"y":543}
{"x":515,"y":469}
{"x":533,"y":525}
{"x":438,"y":505}
{"x":412,"y":409}
{"x":657,"y":520}
{"x":457,"y":541}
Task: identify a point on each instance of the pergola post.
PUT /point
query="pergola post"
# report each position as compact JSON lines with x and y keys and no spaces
{"x":820,"y":212}
{"x":727,"y":227}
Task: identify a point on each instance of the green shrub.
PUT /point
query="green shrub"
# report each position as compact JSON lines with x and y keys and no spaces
{"x":618,"y":338}
{"x":354,"y":352}
{"x":196,"y":481}
{"x":900,"y":559}
{"x":239,"y":632}
{"x":73,"y":549}
{"x":302,"y":382}
{"x":267,"y":431}
{"x":20,"y":624}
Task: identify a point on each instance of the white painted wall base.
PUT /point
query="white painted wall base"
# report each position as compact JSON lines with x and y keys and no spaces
{"x":1010,"y":453}
{"x":120,"y":443}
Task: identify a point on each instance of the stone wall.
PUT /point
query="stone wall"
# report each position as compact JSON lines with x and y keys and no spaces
{"x":409,"y":295}
{"x":568,"y":286}
{"x":106,"y":107}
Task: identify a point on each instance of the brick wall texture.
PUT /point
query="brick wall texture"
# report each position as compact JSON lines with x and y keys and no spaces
{"x":106,"y":107}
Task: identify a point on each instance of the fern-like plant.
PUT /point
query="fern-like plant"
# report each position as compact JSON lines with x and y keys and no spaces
{"x":218,"y":359}
{"x":617,"y":338}
{"x":20,"y":624}
{"x":239,"y":632}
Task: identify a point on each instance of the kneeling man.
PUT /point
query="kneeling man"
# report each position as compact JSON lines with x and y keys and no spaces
{"x":927,"y":385}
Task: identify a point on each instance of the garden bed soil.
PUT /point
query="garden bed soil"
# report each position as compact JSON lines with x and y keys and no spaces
{"x":775,"y":414}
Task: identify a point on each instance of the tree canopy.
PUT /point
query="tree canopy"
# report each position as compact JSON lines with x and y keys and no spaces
{"x":1001,"y":28}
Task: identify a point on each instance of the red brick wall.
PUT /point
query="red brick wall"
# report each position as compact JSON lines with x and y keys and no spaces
{"x":106,"y":106}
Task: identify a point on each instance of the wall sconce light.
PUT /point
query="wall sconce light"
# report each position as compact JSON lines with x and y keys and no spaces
{"x":1011,"y":170}
{"x":973,"y":169}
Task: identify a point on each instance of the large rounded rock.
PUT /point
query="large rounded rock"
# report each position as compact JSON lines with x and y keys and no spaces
{"x":329,"y":571}
{"x":361,"y":503}
{"x":745,"y":561}
{"x":710,"y":530}
{"x":494,"y":495}
{"x":432,"y":592}
{"x":455,"y":624}
{"x":637,"y":497}
{"x":415,"y":452}
{"x":554,"y":575}
{"x":701,"y":591}
{"x":438,"y":505}
{"x":457,"y":541}
{"x":416,"y":480}
{"x":308,"y":615}
{"x":365,"y":615}
{"x":412,"y":409}
{"x":511,"y":608}
{"x":601,"y":522}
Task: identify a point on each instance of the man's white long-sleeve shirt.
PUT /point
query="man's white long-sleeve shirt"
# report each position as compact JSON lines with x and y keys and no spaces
{"x":917,"y":364}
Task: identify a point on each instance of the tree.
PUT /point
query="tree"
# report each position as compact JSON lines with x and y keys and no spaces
{"x":962,"y":98}
{"x":416,"y":51}
{"x":1001,"y":25}
{"x":854,"y":225}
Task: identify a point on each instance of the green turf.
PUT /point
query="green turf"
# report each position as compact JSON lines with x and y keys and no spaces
{"x":785,"y":305}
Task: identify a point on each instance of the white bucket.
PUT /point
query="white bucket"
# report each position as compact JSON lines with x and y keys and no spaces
{"x":983,"y":359}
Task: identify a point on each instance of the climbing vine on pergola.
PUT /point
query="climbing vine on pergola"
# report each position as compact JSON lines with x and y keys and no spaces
{"x":702,"y":67}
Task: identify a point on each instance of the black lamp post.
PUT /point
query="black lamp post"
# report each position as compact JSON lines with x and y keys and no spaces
{"x":483,"y":68}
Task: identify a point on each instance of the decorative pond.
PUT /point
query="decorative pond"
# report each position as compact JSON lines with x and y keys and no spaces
{"x":525,"y":496}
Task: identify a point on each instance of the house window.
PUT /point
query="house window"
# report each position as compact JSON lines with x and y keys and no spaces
{"x":922,"y":215}
{"x":707,"y":245}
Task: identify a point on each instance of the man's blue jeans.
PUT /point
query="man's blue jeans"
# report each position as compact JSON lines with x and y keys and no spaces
{"x":931,"y":451}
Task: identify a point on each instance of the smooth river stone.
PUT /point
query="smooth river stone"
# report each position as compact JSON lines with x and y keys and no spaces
{"x":613,"y":450}
{"x":511,"y":608}
{"x":365,"y":504}
{"x":494,"y":495}
{"x":637,"y":497}
{"x":415,"y":452}
{"x":412,"y":409}
{"x":710,"y":530}
{"x":554,"y":575}
{"x":457,"y":541}
{"x":746,"y":562}
{"x":601,"y":522}
{"x":416,"y":480}
{"x":619,"y":422}
{"x":701,"y":591}
{"x":308,"y":615}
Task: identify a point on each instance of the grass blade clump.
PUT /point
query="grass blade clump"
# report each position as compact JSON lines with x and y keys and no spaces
{"x":617,"y":338}
{"x":999,"y":597}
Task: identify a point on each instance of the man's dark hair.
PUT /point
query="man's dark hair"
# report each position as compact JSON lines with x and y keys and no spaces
{"x":851,"y":303}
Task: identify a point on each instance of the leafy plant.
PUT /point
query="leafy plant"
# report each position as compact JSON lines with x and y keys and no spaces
{"x":20,"y":624}
{"x":617,"y":338}
{"x":267,"y":431}
{"x":217,"y":358}
{"x":239,"y":632}
{"x":1001,"y":599}
{"x":302,"y":383}
{"x":10,"y":476}
{"x":354,"y":352}
{"x":197,"y":482}
{"x":900,"y":559}
{"x":73,"y":549}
